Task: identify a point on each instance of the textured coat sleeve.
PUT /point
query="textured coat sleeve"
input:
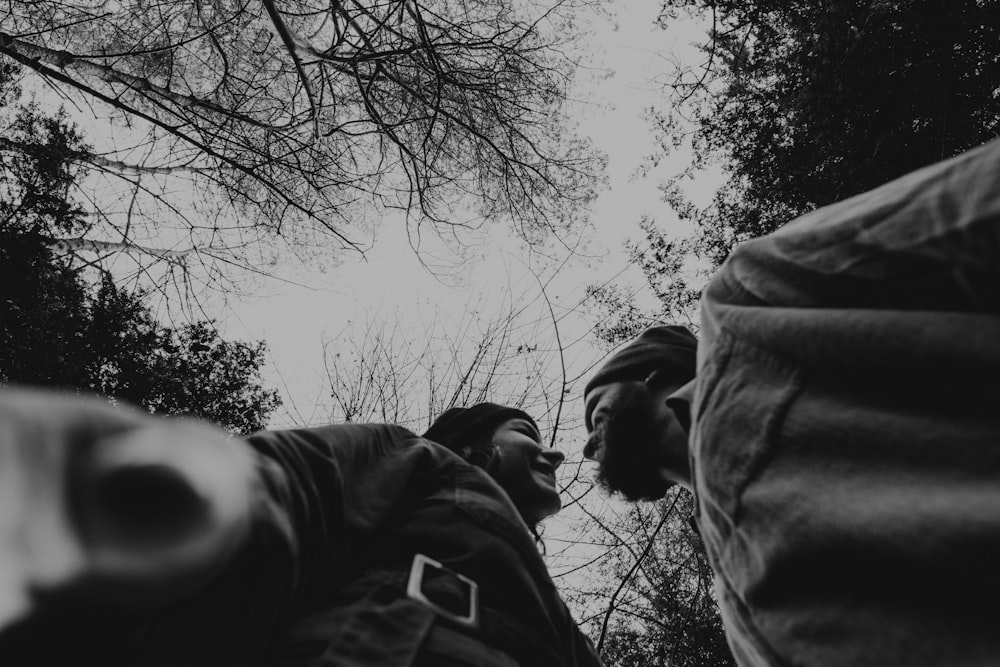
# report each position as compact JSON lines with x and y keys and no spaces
{"x":929,"y":241}
{"x":328,"y":487}
{"x":845,"y":436}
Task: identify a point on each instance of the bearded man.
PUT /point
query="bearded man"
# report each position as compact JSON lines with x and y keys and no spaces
{"x":839,"y":425}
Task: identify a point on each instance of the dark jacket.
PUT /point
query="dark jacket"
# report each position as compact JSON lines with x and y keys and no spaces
{"x":359,"y":502}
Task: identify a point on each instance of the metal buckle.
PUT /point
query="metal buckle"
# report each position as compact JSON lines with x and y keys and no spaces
{"x":414,"y":589}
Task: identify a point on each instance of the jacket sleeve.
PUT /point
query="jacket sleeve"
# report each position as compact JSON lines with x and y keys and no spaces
{"x":327,"y":487}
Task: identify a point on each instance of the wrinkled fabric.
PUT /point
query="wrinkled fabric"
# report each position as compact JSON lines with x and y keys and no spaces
{"x":846,"y":428}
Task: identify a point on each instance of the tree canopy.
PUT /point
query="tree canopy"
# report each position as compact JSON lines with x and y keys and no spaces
{"x":65,"y":324}
{"x":232,"y":122}
{"x":806,"y":104}
{"x":660,"y":610}
{"x":802,"y":105}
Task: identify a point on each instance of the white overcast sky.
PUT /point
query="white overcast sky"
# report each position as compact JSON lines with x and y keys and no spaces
{"x":624,"y":58}
{"x":625,"y":54}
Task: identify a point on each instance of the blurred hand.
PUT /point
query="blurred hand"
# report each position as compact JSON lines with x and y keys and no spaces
{"x":109,"y":501}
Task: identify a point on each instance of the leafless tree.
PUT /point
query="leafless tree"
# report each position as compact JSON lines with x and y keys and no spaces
{"x":225,"y":123}
{"x":392,"y":370}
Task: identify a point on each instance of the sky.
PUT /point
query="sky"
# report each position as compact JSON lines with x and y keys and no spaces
{"x":623,"y":57}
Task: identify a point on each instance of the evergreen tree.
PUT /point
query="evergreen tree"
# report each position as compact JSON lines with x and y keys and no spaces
{"x":806,"y":104}
{"x":61,"y":327}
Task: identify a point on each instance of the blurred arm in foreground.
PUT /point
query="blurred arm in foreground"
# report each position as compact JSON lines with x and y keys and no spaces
{"x":108,"y":503}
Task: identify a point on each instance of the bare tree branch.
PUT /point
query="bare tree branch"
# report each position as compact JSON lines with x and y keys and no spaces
{"x":294,"y":118}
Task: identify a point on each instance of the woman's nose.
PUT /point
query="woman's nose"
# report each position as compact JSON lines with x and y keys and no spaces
{"x":554,"y":456}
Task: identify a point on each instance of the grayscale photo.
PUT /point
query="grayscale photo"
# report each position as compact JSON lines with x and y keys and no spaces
{"x":499,"y":333}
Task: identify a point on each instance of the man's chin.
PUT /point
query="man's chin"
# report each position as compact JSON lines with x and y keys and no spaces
{"x":633,"y":485}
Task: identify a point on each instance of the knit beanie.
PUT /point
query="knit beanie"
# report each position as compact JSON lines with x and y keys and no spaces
{"x":457,"y":428}
{"x":670,"y":348}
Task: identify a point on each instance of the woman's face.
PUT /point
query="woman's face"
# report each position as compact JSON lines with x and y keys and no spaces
{"x":527,"y":470}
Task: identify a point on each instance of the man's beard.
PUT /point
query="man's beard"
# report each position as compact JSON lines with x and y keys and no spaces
{"x":632,"y":461}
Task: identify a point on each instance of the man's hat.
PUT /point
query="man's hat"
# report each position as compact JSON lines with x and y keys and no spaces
{"x":670,"y":348}
{"x":456,"y":428}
